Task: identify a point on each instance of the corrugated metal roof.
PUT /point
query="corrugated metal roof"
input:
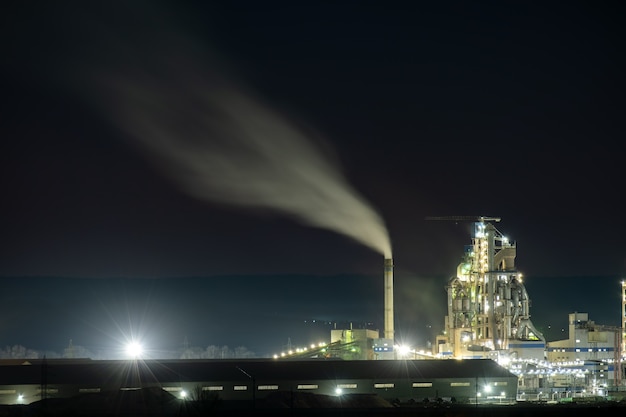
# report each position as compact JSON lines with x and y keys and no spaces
{"x":80,"y":371}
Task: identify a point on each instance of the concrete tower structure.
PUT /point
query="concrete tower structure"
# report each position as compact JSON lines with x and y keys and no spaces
{"x":488,"y":306}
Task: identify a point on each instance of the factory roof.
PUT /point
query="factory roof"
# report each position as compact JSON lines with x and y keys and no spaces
{"x":85,"y":371}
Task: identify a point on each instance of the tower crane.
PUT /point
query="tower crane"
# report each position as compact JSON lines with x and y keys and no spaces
{"x":465,"y":218}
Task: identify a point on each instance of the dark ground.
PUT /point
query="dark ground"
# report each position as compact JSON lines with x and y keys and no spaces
{"x":161,"y":404}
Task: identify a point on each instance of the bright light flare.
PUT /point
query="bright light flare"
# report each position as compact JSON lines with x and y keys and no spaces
{"x":504,"y":360}
{"x":404,"y":350}
{"x":134,"y":350}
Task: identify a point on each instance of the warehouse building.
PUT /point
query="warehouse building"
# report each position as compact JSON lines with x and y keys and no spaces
{"x":249,"y":380}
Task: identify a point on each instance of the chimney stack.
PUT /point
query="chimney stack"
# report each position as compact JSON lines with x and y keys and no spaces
{"x":389,"y":299}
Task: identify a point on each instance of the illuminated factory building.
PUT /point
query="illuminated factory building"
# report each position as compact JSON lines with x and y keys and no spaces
{"x":488,"y":341}
{"x":361,"y":344}
{"x":587,"y":341}
{"x":488,"y":317}
{"x":488,"y":306}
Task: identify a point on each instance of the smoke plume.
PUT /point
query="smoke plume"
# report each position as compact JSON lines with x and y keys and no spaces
{"x":223,"y":144}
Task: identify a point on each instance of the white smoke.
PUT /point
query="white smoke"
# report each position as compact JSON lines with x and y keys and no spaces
{"x":222,"y":144}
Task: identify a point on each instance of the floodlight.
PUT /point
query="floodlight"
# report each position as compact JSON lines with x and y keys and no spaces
{"x":134,"y":350}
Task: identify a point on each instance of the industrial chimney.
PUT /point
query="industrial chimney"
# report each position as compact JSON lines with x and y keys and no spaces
{"x":389,"y":299}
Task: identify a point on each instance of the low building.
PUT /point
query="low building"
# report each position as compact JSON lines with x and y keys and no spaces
{"x":592,"y":350}
{"x":465,"y":381}
{"x":587,"y":341}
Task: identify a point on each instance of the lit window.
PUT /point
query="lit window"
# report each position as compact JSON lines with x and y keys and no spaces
{"x":385,"y":385}
{"x":89,"y":390}
{"x":422,"y":384}
{"x":49,"y":390}
{"x":308,"y":386}
{"x":268,"y":387}
{"x":213,"y":388}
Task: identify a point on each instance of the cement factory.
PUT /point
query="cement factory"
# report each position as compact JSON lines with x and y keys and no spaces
{"x":488,"y":352}
{"x":488,"y":317}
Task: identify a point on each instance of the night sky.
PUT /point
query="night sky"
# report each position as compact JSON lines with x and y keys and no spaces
{"x":215,"y":173}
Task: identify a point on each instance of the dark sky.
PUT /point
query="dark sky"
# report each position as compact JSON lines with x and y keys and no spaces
{"x":305,"y":139}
